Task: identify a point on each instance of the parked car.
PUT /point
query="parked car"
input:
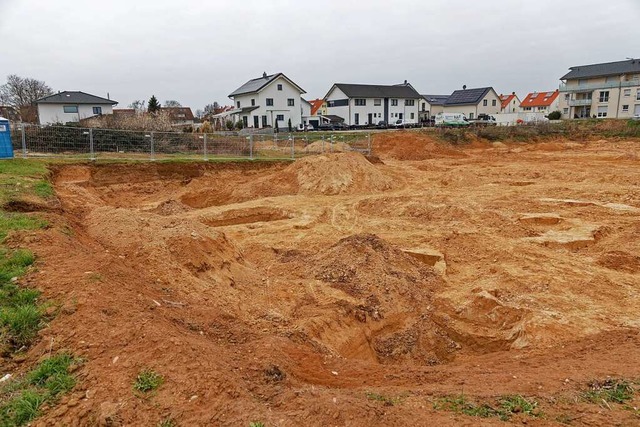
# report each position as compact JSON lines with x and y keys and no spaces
{"x":483,"y":120}
{"x":332,"y":126}
{"x":402,"y":123}
{"x":305,"y":127}
{"x":382,"y":124}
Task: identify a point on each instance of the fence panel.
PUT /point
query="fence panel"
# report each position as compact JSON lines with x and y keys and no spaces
{"x":96,"y":143}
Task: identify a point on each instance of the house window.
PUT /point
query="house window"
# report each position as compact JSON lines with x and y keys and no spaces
{"x":360,"y":102}
{"x":394,"y":102}
{"x":527,"y":108}
{"x":253,"y":102}
{"x":582,"y":82}
{"x":604,"y":97}
{"x":412,"y":116}
{"x":638,"y":95}
{"x":238,"y":104}
{"x":409,"y":102}
{"x":627,"y":92}
{"x":279,"y":87}
{"x":471,"y":116}
{"x":97,"y":111}
{"x":280,"y":117}
{"x":602,"y":111}
{"x":625,"y":108}
{"x":484,"y":103}
{"x":493,"y":103}
{"x":70,"y":108}
{"x":424,"y":107}
{"x":269,"y":102}
{"x":291,"y":102}
{"x":377,"y":102}
{"x":565,"y":111}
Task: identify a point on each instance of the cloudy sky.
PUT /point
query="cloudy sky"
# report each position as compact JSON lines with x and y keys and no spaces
{"x":197,"y":52}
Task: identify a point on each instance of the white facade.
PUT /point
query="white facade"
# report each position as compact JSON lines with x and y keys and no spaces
{"x":49,"y":114}
{"x":489,"y":104}
{"x":371,"y":111}
{"x":270,"y":104}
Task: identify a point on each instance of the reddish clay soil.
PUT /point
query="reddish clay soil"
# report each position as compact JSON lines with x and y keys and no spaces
{"x":284,"y":293}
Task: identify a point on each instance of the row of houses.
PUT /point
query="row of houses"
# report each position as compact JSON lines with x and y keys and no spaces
{"x":607,"y":90}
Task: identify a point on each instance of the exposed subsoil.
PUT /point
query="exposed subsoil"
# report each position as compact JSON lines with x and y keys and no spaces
{"x":284,"y":292}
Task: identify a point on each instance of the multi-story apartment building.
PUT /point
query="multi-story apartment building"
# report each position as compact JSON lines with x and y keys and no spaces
{"x":361,"y":104}
{"x":609,"y":90}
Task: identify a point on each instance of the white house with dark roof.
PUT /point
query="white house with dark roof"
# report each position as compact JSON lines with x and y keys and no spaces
{"x":472,"y":102}
{"x":430,"y":105}
{"x":71,"y":107}
{"x":360,"y":104}
{"x":608,"y":90}
{"x":260,"y":102}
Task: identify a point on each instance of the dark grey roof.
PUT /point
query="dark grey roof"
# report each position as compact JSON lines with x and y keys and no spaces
{"x":631,"y":66}
{"x":244,"y":110}
{"x":333,"y":118}
{"x":255,"y":85}
{"x":70,"y":97}
{"x":436,"y":99}
{"x":378,"y":91}
{"x":467,"y":96}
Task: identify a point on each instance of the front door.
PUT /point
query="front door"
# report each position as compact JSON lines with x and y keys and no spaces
{"x":400,"y":116}
{"x":370,"y":118}
{"x":264,"y":121}
{"x":357,"y":118}
{"x":256,"y":122}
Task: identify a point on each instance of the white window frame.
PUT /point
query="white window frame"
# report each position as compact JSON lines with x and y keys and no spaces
{"x":360,"y":102}
{"x":625,"y":108}
{"x":269,"y":102}
{"x":603,"y":96}
{"x":377,"y":102}
{"x":394,"y":102}
{"x":603,"y":112}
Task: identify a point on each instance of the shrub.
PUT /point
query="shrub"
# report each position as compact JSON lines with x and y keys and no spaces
{"x":229,"y":125}
{"x":555,"y":115}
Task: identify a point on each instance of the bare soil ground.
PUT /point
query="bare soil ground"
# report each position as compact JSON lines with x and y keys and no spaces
{"x":284,"y":293}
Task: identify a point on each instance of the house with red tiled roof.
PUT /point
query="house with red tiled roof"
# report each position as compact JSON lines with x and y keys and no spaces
{"x":510,"y":103}
{"x":318,"y":107}
{"x":541,"y":102}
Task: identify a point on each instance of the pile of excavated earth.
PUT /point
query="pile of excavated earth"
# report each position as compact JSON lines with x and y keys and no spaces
{"x":344,"y":290}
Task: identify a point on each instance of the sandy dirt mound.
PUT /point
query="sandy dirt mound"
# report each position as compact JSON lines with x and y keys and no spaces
{"x":332,"y":174}
{"x":411,"y":146}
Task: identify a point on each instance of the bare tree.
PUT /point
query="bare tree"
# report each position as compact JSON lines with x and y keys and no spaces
{"x":199,"y":113}
{"x":212,"y":108}
{"x":138,"y":105}
{"x":172,"y":103}
{"x":21,"y":93}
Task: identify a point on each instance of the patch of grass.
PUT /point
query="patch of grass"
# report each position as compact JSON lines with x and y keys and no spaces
{"x":20,"y":324}
{"x":387,"y":400}
{"x":169,"y":422}
{"x":23,"y":398}
{"x":43,"y":189}
{"x":147,"y":380}
{"x":610,"y":391}
{"x":23,"y":167}
{"x":15,"y":221}
{"x":256,"y":424}
{"x":14,"y":264}
{"x":506,"y":407}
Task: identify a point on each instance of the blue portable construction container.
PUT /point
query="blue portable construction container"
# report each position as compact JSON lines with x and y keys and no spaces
{"x":6,"y":149}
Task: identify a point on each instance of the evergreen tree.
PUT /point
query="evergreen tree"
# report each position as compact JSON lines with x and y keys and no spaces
{"x":153,"y":105}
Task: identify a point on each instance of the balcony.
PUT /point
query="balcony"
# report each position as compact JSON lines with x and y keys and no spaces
{"x":590,"y":87}
{"x":580,"y":102}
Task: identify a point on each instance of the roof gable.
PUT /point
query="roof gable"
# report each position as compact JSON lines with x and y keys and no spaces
{"x":256,"y":85}
{"x":436,"y":99}
{"x":631,"y":66}
{"x":74,"y":97}
{"x":506,"y":99}
{"x":540,"y":99}
{"x":405,"y":91}
{"x":468,"y":96}
{"x":316,"y":104}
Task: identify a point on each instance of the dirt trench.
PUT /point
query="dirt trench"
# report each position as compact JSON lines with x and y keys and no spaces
{"x":405,"y":277}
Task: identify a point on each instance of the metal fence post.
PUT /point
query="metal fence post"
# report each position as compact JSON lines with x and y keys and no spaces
{"x":251,"y":147}
{"x":24,"y":142}
{"x":331,"y":144}
{"x":323,"y":144}
{"x":206,"y":159}
{"x":91,"y":148}
{"x":293,"y":149}
{"x":369,"y":142}
{"x":152,"y":148}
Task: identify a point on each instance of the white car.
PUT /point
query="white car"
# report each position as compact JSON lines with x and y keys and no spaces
{"x":403,"y":124}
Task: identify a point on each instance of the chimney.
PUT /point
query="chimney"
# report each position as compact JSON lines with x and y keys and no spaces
{"x":264,"y":75}
{"x":108,"y":96}
{"x":464,"y":87}
{"x":405,"y":82}
{"x":513,"y":93}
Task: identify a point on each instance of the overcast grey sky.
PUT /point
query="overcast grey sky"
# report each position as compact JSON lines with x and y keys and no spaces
{"x":197,"y":52}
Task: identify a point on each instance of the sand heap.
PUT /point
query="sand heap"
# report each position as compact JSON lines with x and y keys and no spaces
{"x":331,"y":174}
{"x":412,"y":146}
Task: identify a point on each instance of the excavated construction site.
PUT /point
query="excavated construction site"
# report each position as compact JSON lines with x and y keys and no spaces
{"x":291,"y":293}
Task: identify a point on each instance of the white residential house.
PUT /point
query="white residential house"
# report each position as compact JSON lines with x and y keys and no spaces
{"x":609,"y":90}
{"x":430,"y":105}
{"x":473,"y":102}
{"x":510,"y":103}
{"x":260,"y":102}
{"x":541,"y":102}
{"x":360,"y":104}
{"x":71,"y":107}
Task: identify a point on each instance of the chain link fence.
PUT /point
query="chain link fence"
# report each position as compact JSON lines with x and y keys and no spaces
{"x":95,"y":144}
